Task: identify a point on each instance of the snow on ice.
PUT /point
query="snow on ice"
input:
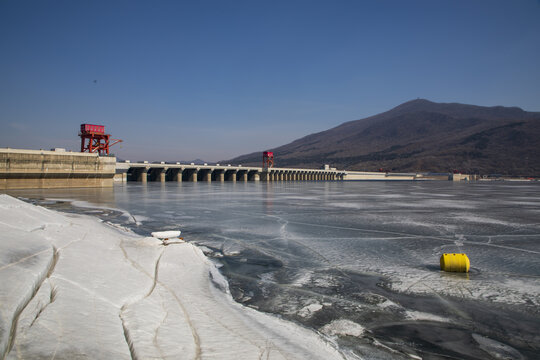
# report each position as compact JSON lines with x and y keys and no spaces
{"x":73,"y":287}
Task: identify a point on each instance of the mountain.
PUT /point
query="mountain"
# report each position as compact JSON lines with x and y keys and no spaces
{"x":422,"y":136}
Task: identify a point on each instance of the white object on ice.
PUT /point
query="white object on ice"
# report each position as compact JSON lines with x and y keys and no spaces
{"x":343,"y":327}
{"x":166,"y":234}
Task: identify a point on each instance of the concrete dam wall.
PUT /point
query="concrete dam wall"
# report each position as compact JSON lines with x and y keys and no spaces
{"x":23,"y":169}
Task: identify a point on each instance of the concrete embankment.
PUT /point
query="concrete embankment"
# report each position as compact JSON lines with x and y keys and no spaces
{"x":23,"y":169}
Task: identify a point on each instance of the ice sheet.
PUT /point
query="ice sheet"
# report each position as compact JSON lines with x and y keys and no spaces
{"x":73,"y":287}
{"x":367,"y":252}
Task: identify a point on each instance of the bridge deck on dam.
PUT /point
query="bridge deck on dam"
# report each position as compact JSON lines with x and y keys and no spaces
{"x":143,"y":172}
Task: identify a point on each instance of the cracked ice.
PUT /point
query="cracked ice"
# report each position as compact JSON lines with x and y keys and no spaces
{"x":73,"y":287}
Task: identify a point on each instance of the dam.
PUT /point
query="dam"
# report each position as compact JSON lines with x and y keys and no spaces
{"x":162,"y":172}
{"x":21,"y":169}
{"x":27,"y":169}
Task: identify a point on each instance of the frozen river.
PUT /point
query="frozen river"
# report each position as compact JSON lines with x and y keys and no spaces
{"x":359,"y":261}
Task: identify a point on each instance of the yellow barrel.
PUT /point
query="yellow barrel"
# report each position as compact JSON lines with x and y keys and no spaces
{"x":455,"y":262}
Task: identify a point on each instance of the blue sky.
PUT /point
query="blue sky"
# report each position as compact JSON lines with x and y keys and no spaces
{"x":213,"y":79}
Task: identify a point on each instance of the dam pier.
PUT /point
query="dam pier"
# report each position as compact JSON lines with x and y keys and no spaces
{"x":164,"y":172}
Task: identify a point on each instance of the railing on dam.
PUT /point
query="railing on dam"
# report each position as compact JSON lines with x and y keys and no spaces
{"x":162,"y":172}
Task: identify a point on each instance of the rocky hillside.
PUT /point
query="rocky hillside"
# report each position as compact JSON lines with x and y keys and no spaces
{"x":423,"y":136}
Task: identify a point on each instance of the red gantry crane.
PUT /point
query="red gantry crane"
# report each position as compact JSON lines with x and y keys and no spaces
{"x":94,"y":139}
{"x":268,"y":159}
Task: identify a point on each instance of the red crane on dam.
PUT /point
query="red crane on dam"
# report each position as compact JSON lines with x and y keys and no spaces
{"x":268,"y":159}
{"x":94,"y":139}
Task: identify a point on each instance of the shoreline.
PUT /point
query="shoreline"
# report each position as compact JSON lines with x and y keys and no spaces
{"x":78,"y":288}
